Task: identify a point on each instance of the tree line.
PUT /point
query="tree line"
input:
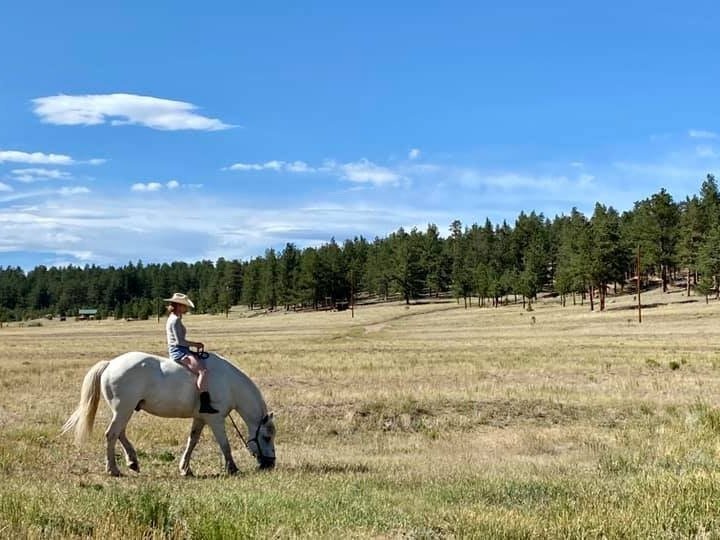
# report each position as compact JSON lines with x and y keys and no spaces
{"x":573,"y":256}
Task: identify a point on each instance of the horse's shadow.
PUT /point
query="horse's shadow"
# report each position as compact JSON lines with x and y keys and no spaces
{"x":305,"y":468}
{"x":328,"y":468}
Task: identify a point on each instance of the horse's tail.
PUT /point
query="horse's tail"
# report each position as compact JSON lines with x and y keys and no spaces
{"x":84,"y":416}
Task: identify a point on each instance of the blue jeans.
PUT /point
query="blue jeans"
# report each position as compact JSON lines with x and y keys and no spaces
{"x":178,"y":352}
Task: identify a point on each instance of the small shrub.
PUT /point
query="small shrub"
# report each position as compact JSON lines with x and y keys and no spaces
{"x":708,"y":417}
{"x":674,"y":365}
{"x":166,"y":456}
{"x":646,"y":409}
{"x":147,"y":508}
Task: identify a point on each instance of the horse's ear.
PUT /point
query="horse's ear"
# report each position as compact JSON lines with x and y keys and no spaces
{"x":271,"y":415}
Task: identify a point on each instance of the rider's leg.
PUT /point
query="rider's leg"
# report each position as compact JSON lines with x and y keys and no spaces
{"x":202,"y":379}
{"x":197,"y":366}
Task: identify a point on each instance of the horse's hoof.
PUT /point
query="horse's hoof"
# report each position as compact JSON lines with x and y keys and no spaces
{"x":232,"y":471}
{"x":115,"y":473}
{"x":134,"y":466}
{"x":187,"y":473}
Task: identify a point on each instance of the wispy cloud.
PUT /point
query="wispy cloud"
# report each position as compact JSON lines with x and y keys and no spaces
{"x":414,"y":153}
{"x":361,"y":171}
{"x":5,"y":187}
{"x":35,"y":158}
{"x":122,"y":109}
{"x":299,"y":167}
{"x":274,"y":165}
{"x":515,"y":181}
{"x":702,"y":134}
{"x":364,"y":171}
{"x":67,"y":191}
{"x":74,"y":222}
{"x":705,"y":151}
{"x":39,"y":175}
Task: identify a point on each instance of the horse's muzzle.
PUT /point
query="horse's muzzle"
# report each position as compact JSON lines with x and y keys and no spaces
{"x":267,"y":462}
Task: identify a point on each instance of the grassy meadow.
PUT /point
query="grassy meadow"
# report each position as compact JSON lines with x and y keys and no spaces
{"x":431,"y":421}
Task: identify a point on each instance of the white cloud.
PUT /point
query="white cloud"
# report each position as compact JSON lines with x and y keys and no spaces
{"x":158,"y":186}
{"x":150,"y":186}
{"x":245,"y":167}
{"x":702,"y":134}
{"x":274,"y":165}
{"x":115,"y":230}
{"x":577,"y":164}
{"x":38,"y":175}
{"x":122,"y":109}
{"x":414,"y":153}
{"x":299,"y":167}
{"x":40,"y":158}
{"x":364,"y":171}
{"x":66,"y":191}
{"x":5,"y":187}
{"x":35,"y":158}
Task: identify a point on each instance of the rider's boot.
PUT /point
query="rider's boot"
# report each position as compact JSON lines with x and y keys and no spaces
{"x":205,"y":406}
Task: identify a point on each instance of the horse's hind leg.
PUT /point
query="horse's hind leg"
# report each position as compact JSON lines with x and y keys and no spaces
{"x":130,"y":454}
{"x":116,"y":427}
{"x":195,"y":431}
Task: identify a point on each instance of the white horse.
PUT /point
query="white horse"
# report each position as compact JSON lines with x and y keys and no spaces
{"x":138,"y":381}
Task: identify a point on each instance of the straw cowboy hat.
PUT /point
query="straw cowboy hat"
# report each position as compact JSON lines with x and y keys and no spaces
{"x":180,"y":298}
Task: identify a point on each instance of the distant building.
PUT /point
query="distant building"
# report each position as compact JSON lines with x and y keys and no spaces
{"x":86,"y":314}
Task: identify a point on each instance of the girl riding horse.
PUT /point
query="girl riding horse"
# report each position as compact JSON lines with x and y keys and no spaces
{"x":179,"y":347}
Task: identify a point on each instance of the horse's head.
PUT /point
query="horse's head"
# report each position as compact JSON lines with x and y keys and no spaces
{"x":262,"y":445}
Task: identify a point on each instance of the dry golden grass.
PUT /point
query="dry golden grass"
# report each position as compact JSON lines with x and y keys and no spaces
{"x":427,"y":421}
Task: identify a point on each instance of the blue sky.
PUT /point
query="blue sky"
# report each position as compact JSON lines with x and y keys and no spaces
{"x":161,"y":131}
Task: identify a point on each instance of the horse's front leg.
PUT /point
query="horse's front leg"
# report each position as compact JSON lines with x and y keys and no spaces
{"x":195,"y":431}
{"x":218,"y":428}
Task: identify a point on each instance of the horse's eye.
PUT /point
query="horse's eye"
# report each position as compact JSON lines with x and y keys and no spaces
{"x":267,"y":439}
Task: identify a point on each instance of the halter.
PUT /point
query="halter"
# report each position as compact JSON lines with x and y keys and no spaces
{"x":259,"y":453}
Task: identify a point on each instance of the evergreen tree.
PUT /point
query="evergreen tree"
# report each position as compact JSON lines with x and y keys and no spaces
{"x":289,"y":276}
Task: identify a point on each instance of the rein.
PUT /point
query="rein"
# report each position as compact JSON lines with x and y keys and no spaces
{"x":255,"y":438}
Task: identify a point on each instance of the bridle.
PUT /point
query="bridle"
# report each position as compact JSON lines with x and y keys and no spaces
{"x":203,"y":354}
{"x":259,"y":454}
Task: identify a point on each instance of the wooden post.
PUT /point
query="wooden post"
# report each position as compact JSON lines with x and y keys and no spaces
{"x":638,"y":286}
{"x":352,"y":294}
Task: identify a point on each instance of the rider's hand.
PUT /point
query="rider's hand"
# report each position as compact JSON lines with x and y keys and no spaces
{"x":200,"y":345}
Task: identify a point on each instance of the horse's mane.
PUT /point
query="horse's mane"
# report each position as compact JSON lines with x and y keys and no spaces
{"x":251,"y":384}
